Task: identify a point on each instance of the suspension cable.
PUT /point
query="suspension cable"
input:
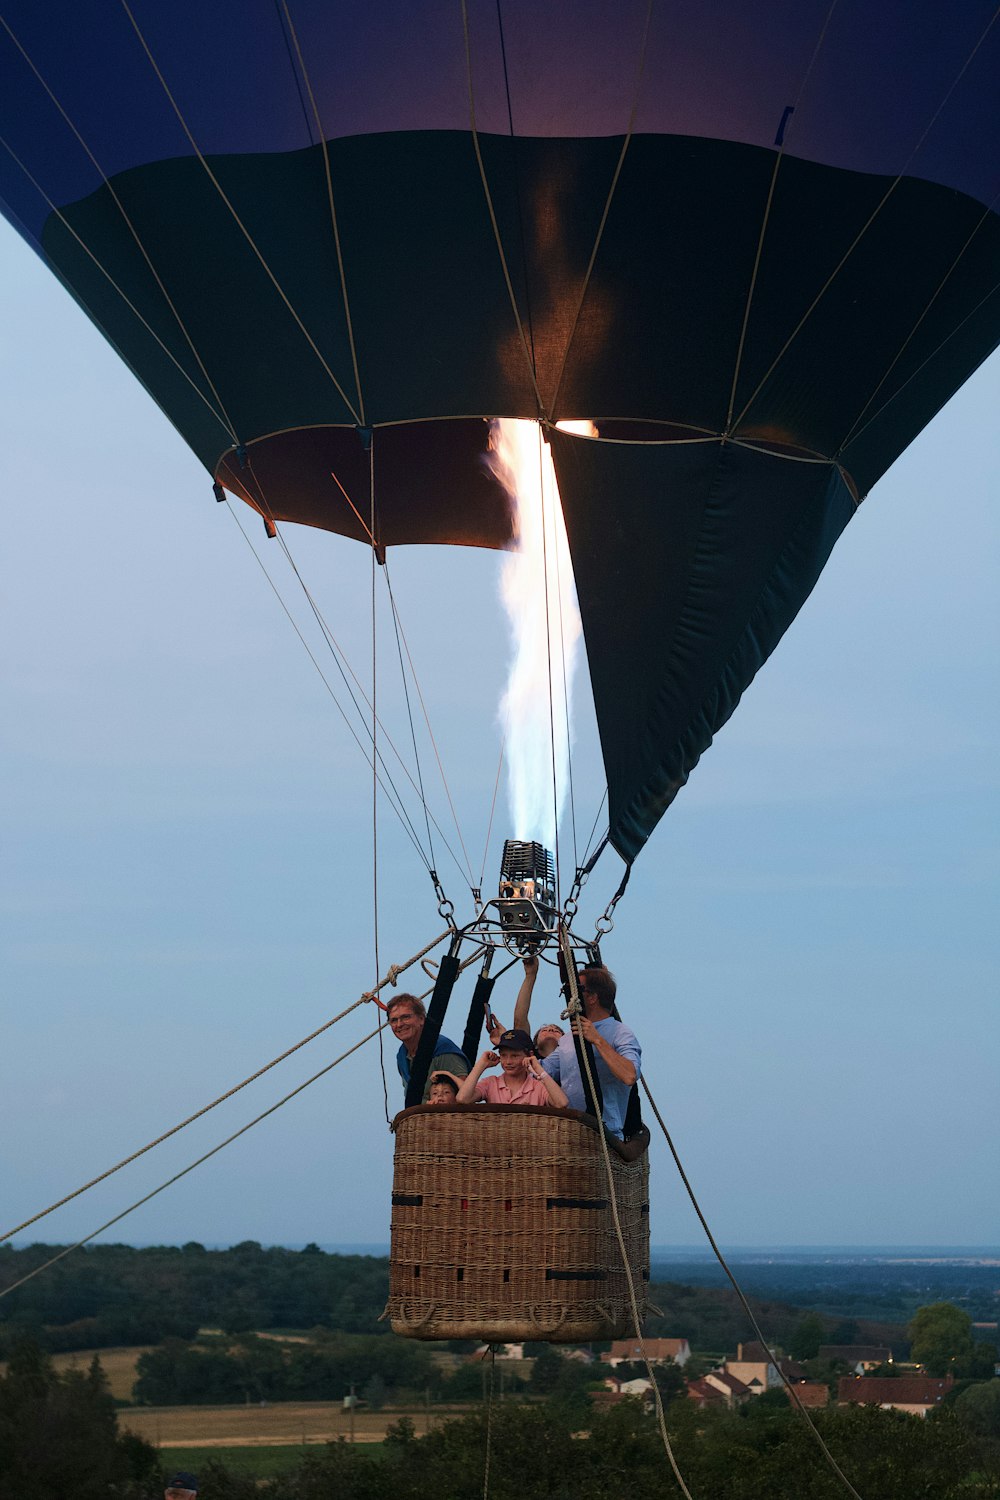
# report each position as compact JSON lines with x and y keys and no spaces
{"x":780,"y":143}
{"x":190,"y":1168}
{"x":493,"y":808}
{"x":489,"y":1422}
{"x":409,"y":713}
{"x":233,"y":212}
{"x":129,"y":225}
{"x":619,"y":1232}
{"x":391,"y":977}
{"x":548,"y":657}
{"x":430,"y":732}
{"x":867,"y":224}
{"x":788,"y":1384}
{"x":396,"y":804}
{"x":344,"y":667}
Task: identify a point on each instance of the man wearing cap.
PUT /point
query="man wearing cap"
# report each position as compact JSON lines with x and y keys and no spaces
{"x":617,"y":1054}
{"x":522,"y":1079}
{"x":181,"y":1486}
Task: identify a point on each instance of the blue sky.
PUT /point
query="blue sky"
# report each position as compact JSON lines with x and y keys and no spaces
{"x":808,"y":949}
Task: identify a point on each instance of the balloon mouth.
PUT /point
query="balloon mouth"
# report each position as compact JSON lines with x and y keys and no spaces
{"x":432,"y":481}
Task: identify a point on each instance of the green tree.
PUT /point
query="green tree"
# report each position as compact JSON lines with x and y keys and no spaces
{"x":59,"y":1437}
{"x":805,"y":1341}
{"x":978,"y":1408}
{"x":940,"y":1334}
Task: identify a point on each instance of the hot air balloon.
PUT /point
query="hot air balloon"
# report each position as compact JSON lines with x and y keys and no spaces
{"x":756,"y":246}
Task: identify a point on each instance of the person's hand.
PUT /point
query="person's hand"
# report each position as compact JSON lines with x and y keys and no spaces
{"x":586,"y":1029}
{"x":530,"y":965}
{"x":534,"y":1067}
{"x":490,"y":1059}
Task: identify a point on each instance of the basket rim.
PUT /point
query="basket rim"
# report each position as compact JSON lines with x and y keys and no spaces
{"x":627,"y":1151}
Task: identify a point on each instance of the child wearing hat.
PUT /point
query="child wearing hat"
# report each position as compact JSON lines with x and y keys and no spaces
{"x":522,"y":1078}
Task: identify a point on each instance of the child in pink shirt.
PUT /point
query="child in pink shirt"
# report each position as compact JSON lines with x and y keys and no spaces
{"x":522,"y":1080}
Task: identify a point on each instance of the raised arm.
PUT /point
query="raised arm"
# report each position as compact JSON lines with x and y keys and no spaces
{"x":467,"y":1093}
{"x":557,"y":1098}
{"x":523,"y":1003}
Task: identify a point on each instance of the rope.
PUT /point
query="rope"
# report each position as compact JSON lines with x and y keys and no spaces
{"x":409,"y":712}
{"x":987,"y":213}
{"x":492,"y":212}
{"x":593,"y":829}
{"x":867,"y":224}
{"x":333,"y":211}
{"x":344,"y":667}
{"x":517,"y":189}
{"x":190,"y":1168}
{"x":489,"y":1423}
{"x":223,"y":419}
{"x":374,"y":729}
{"x":767,"y":212}
{"x":565,"y":694}
{"x":619,"y":1232}
{"x":397,"y":805}
{"x":607,"y":205}
{"x":789,"y":1386}
{"x":548,"y":659}
{"x":933,"y":355}
{"x":391,"y":978}
{"x":236,"y":218}
{"x":493,"y":808}
{"x":430,"y":732}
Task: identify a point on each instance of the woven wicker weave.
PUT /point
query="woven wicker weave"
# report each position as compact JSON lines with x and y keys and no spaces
{"x":502,"y":1226}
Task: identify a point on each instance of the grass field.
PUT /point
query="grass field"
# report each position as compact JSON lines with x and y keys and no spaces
{"x":286,"y":1423}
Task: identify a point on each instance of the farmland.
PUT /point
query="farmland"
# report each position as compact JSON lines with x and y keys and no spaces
{"x":290,"y":1422}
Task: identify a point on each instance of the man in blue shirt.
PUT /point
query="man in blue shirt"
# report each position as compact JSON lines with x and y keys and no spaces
{"x":406,"y":1016}
{"x":617,"y":1054}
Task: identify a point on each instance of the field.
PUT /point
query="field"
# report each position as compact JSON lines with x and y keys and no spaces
{"x":288,"y":1422}
{"x":117,"y":1364}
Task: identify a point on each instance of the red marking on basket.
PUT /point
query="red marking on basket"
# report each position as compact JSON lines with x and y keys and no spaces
{"x":465,"y":1204}
{"x":507,"y":1205}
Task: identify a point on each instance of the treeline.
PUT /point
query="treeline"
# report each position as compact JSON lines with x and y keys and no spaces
{"x":761,"y":1453}
{"x":258,"y":1369}
{"x":58,"y":1438}
{"x":116,"y":1294}
{"x":712,"y":1318}
{"x":107,"y":1295}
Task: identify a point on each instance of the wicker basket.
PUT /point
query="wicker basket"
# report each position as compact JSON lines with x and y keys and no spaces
{"x":502,"y":1226}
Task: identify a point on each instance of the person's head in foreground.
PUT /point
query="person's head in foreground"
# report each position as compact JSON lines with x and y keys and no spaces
{"x":514,"y":1048}
{"x":406,"y":1016}
{"x":597,"y":991}
{"x":181,"y":1486}
{"x":443,"y":1089}
{"x":547,"y":1038}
